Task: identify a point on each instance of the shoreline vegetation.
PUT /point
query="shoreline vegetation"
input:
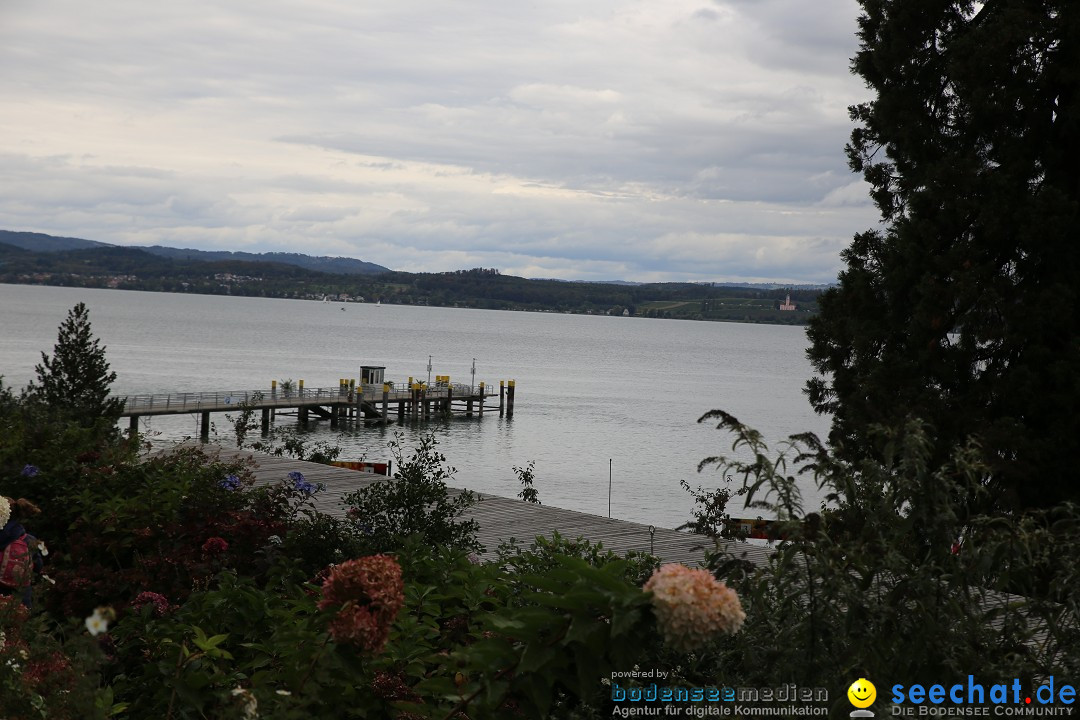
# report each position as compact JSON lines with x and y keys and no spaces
{"x":41,"y":262}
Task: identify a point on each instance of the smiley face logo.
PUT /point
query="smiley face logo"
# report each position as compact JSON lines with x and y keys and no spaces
{"x":862,"y":693}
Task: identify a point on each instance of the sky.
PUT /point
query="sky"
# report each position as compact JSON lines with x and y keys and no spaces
{"x":671,"y":140}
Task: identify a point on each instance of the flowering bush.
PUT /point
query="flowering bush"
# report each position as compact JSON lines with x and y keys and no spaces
{"x":692,"y":607}
{"x":368,"y":592}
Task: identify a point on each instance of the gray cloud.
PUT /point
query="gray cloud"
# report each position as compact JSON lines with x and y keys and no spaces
{"x":680,"y":140}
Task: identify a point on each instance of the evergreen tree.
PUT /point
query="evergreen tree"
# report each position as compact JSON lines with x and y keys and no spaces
{"x":76,"y":378}
{"x":961,"y":308}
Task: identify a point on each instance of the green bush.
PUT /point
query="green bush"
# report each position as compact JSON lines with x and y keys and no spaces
{"x":895,"y":579}
{"x":415,"y":502}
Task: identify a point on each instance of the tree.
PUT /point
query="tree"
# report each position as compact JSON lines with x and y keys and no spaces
{"x":960,"y":308}
{"x":76,"y":378}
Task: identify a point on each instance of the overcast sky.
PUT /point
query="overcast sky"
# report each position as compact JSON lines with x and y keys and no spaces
{"x":599,"y":139}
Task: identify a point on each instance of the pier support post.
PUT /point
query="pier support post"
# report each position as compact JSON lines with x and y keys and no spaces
{"x":424,"y":402}
{"x":510,"y":398}
{"x":481,"y":399}
{"x":265,"y":422}
{"x":274,"y":397}
{"x":335,"y":410}
{"x":301,"y":416}
{"x":502,"y":398}
{"x":385,"y":403}
{"x":133,"y":427}
{"x":468,"y":407}
{"x":449,"y":407}
{"x":401,"y":410}
{"x":204,"y":426}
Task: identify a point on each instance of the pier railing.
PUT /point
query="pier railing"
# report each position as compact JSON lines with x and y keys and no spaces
{"x":227,"y":398}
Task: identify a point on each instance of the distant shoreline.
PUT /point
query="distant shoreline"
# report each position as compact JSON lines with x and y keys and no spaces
{"x":716,"y":311}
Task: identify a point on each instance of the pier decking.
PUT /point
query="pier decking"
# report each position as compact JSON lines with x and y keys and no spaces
{"x":501,"y":519}
{"x":371,"y":402}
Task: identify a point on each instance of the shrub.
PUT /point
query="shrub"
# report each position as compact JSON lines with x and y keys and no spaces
{"x":875,"y":585}
{"x":416,"y":501}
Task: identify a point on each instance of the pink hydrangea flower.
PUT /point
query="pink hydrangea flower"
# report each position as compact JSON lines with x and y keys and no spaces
{"x":692,"y":607}
{"x":368,"y":593}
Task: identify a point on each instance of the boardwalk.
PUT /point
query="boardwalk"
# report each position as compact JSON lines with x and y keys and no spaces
{"x":501,"y":519}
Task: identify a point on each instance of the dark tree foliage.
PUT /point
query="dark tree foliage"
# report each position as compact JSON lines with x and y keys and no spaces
{"x":961,"y":307}
{"x":76,"y":378}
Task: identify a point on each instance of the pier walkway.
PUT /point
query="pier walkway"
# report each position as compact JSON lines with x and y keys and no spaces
{"x":501,"y":519}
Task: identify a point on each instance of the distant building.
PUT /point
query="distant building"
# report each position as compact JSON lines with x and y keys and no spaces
{"x":786,"y":305}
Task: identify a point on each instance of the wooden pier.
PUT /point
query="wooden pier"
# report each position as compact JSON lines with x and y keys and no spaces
{"x":501,"y":518}
{"x":366,"y":402}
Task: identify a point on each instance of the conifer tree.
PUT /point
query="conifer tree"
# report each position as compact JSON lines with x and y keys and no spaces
{"x":76,"y":378}
{"x":961,"y":308}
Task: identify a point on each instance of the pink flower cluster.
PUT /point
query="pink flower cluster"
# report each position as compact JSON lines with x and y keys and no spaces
{"x":368,"y":593}
{"x":692,"y":606}
{"x":215,"y":546}
{"x":147,"y":597}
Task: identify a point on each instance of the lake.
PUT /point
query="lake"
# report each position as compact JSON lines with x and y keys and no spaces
{"x":589,"y":388}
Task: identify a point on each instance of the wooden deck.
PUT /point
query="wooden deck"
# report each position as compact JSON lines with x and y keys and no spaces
{"x":500,"y":518}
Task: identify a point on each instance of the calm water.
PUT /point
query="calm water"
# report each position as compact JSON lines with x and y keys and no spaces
{"x":589,"y":389}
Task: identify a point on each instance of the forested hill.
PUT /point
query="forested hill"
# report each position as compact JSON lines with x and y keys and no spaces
{"x":140,"y":269}
{"x":338,"y":265}
{"x":40,"y":242}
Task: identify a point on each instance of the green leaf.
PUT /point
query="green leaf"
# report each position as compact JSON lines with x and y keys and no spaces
{"x":535,"y":656}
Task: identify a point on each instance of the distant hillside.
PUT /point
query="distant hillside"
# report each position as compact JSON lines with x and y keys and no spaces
{"x":336,"y":265}
{"x":40,"y":242}
{"x":130,"y":268}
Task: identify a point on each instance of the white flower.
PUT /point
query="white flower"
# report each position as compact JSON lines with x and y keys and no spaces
{"x":42,"y":549}
{"x":5,"y":511}
{"x":96,"y":623}
{"x":248,"y":703}
{"x":283,"y":692}
{"x":3,"y":639}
